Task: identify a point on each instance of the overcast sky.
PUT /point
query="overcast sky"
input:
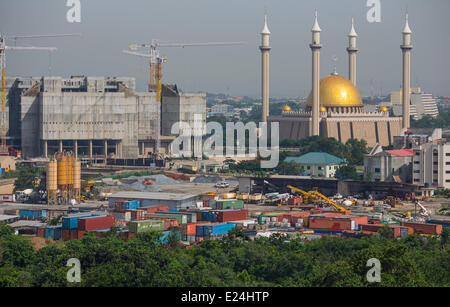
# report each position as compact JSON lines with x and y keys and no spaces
{"x":108,"y":26}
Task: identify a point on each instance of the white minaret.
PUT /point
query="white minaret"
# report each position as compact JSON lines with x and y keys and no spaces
{"x":406,"y":51}
{"x":352,"y":50}
{"x":315,"y":48}
{"x":265,"y":51}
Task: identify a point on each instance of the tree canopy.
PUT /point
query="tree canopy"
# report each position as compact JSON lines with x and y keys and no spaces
{"x":275,"y":261}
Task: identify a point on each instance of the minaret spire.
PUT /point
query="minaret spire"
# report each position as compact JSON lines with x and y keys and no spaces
{"x":352,"y":50}
{"x":315,"y":48}
{"x":265,"y":51}
{"x":406,"y":73}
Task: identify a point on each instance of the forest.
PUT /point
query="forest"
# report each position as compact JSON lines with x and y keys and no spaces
{"x":412,"y":261}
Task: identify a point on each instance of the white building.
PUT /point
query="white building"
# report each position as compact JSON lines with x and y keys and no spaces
{"x":431,"y":165}
{"x":421,"y":104}
{"x":318,"y":164}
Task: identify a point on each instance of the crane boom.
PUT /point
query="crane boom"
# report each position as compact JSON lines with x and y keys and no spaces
{"x":335,"y":205}
{"x":3,"y":49}
{"x":156,"y":61}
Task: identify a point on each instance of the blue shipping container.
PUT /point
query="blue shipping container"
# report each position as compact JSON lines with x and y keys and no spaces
{"x":165,"y":235}
{"x":71,"y":222}
{"x":53,"y":232}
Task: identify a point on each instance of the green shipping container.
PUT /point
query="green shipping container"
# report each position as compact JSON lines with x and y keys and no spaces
{"x":146,"y":226}
{"x":181,"y":218}
{"x":229,"y":204}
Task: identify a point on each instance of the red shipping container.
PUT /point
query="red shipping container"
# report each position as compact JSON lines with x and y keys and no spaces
{"x":156,"y":209}
{"x":94,"y":223}
{"x":65,"y":234}
{"x":73,"y":234}
{"x":80,"y":234}
{"x":422,"y":228}
{"x":234,"y":215}
{"x":41,"y":232}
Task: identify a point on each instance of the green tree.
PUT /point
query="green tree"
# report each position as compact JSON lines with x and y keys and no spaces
{"x":346,"y":172}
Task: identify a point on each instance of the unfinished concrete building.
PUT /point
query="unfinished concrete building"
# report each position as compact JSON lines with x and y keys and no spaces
{"x":92,"y":116}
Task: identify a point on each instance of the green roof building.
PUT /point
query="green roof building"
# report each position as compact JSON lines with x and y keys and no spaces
{"x":318,"y":164}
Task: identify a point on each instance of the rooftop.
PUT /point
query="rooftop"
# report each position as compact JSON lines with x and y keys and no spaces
{"x":322,"y":158}
{"x":152,"y":195}
{"x":401,"y":152}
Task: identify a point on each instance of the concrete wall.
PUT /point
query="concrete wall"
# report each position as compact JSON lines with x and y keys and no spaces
{"x":182,"y":108}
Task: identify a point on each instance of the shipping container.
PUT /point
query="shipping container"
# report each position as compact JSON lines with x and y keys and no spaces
{"x":65,"y":234}
{"x":153,"y":209}
{"x":71,"y":221}
{"x":53,"y":232}
{"x":229,"y":204}
{"x":423,"y":228}
{"x":7,"y":197}
{"x":180,"y":217}
{"x":232,"y":215}
{"x":146,"y":225}
{"x":32,"y":214}
{"x":96,"y":222}
{"x":165,"y":236}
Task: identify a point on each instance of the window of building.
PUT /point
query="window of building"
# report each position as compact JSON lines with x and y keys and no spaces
{"x":308,"y":167}
{"x":377,"y":170}
{"x":319,"y":168}
{"x":417,"y":171}
{"x":416,"y":180}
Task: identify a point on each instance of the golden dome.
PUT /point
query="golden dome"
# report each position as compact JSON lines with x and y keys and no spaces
{"x":286,"y":108}
{"x":337,"y":91}
{"x":383,"y":109}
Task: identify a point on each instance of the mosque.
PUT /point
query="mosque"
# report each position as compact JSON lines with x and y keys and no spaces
{"x":334,"y":107}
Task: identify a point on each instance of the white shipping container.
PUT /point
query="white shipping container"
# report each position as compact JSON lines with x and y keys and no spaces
{"x":8,"y":197}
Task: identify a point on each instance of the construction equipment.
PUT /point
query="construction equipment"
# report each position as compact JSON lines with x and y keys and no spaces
{"x":156,"y":61}
{"x":335,"y":205}
{"x":423,"y":211}
{"x":307,"y":196}
{"x":3,"y":49}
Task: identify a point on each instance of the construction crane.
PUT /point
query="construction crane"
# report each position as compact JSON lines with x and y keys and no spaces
{"x":156,"y":61}
{"x":335,"y":205}
{"x":3,"y":49}
{"x":307,"y":195}
{"x":316,"y":196}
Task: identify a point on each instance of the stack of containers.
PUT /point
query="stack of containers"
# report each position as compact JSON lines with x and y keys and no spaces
{"x":190,"y":230}
{"x":70,"y":225}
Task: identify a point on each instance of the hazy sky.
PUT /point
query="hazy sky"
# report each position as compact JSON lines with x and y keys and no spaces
{"x":108,"y":26}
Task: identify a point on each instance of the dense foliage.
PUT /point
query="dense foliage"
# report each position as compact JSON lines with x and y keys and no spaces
{"x":29,"y":178}
{"x":347,"y":172}
{"x":411,"y":261}
{"x":440,"y":121}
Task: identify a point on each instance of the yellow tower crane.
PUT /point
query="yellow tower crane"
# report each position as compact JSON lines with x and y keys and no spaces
{"x":156,"y":61}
